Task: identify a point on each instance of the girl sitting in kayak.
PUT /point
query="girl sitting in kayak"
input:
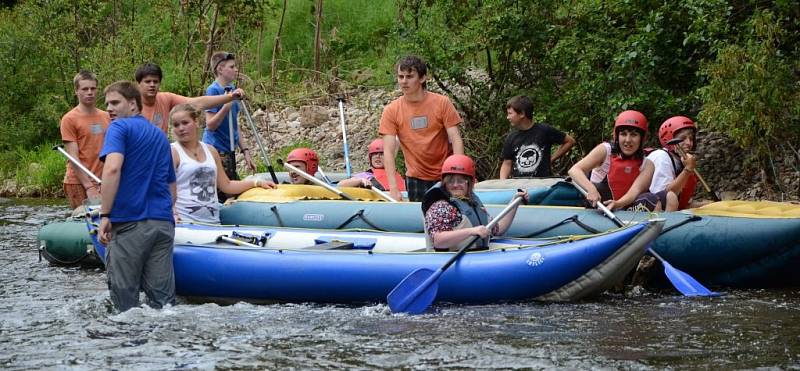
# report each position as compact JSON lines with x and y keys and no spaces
{"x":304,"y":159}
{"x":674,"y":181}
{"x":376,"y":175}
{"x":197,"y":170}
{"x":453,"y":212}
{"x":620,"y":174}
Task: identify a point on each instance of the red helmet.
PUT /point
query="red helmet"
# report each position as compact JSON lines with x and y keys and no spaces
{"x":631,"y":118}
{"x":305,"y":156}
{"x":376,"y":146}
{"x":459,"y":164}
{"x":668,"y":129}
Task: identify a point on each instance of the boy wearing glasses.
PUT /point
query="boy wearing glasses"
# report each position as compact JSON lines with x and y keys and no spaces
{"x":222,"y":129}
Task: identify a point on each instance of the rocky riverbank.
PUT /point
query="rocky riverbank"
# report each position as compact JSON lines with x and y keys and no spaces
{"x":723,"y":164}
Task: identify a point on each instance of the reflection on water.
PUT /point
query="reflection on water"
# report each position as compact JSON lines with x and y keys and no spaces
{"x":61,"y":318}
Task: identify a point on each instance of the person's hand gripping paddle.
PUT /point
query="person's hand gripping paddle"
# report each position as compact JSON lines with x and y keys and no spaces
{"x":676,"y":142}
{"x":682,"y":281}
{"x":417,"y":291}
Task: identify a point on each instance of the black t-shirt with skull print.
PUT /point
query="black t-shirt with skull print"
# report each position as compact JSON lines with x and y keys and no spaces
{"x":529,"y":150}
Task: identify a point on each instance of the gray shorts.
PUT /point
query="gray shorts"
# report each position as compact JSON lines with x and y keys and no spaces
{"x":139,"y":257}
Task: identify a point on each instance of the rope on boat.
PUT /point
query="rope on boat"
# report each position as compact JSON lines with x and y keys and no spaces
{"x":572,"y":219}
{"x":690,"y":219}
{"x":277,"y":216}
{"x":360,"y":215}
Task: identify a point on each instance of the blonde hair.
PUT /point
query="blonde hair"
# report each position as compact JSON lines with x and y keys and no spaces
{"x":195,"y":113}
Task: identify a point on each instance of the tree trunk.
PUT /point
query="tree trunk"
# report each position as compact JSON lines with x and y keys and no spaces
{"x":276,"y":47}
{"x":260,"y":45}
{"x":212,"y":32}
{"x":317,"y":41}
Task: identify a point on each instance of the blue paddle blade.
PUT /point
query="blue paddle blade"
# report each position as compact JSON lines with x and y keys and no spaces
{"x":685,"y":283}
{"x":415,"y":293}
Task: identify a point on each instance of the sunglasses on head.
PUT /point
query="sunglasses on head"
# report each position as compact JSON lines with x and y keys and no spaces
{"x":225,"y":57}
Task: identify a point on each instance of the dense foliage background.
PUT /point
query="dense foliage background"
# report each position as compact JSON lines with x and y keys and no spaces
{"x":733,"y":65}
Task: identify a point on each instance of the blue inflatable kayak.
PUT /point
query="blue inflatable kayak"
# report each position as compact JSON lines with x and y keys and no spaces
{"x":728,"y":243}
{"x":297,"y":265}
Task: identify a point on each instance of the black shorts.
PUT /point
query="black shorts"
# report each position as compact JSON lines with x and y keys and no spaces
{"x":417,"y":187}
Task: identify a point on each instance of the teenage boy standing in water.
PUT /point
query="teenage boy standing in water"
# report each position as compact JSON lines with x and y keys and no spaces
{"x":426,"y":124}
{"x":138,"y":196}
{"x":526,"y":150}
{"x":82,"y":131}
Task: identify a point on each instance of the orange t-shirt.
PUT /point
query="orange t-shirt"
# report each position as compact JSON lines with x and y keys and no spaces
{"x":158,"y":113}
{"x":422,"y":130}
{"x":88,"y":132}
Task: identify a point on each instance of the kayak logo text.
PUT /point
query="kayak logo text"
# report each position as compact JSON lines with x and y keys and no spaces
{"x":535,"y":259}
{"x":313,"y":217}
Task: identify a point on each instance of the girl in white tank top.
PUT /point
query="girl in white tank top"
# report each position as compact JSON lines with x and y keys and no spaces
{"x":197,"y":187}
{"x":197,"y":168}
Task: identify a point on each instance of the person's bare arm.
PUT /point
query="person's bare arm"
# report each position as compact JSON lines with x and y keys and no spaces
{"x":235,"y":187}
{"x":505,"y":169}
{"x":569,"y":142}
{"x":389,"y":151}
{"x":88,"y":184}
{"x":112,"y":172}
{"x":454,"y":135}
{"x":578,"y":172}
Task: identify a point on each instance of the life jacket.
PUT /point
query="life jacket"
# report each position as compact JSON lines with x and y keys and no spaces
{"x":622,"y":172}
{"x":472,"y":211}
{"x":383,"y":181}
{"x":688,"y":188}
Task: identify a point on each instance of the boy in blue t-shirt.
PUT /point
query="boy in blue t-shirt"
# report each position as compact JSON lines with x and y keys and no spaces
{"x":138,"y":193}
{"x":218,"y":126}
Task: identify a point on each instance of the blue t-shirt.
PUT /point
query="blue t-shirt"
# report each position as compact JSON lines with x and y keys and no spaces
{"x":146,"y":173}
{"x":220,"y":138}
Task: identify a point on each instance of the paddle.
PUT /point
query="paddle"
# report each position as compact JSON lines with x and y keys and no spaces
{"x":314,"y":180}
{"x":264,"y":153}
{"x":682,"y":153}
{"x":344,"y":136}
{"x":415,"y":293}
{"x":382,"y":194}
{"x":682,"y":281}
{"x":325,"y":177}
{"x":230,"y":126}
{"x":233,"y":241}
{"x":74,"y":161}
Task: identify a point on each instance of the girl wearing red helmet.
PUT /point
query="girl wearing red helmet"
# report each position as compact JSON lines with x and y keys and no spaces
{"x":376,"y":175}
{"x":453,"y":212}
{"x":304,"y":159}
{"x":674,"y":180}
{"x":620,"y":174}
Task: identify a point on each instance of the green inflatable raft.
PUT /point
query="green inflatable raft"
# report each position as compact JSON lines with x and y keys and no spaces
{"x":67,"y":244}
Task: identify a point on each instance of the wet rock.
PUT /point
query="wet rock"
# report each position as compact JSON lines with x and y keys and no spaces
{"x":313,"y":116}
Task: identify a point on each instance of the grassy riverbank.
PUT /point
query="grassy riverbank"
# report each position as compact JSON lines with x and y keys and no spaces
{"x":36,"y":172}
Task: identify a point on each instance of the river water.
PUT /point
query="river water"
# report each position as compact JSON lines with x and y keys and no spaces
{"x":61,"y":318}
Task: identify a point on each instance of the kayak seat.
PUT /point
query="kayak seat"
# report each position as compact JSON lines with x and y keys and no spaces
{"x":359,"y":243}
